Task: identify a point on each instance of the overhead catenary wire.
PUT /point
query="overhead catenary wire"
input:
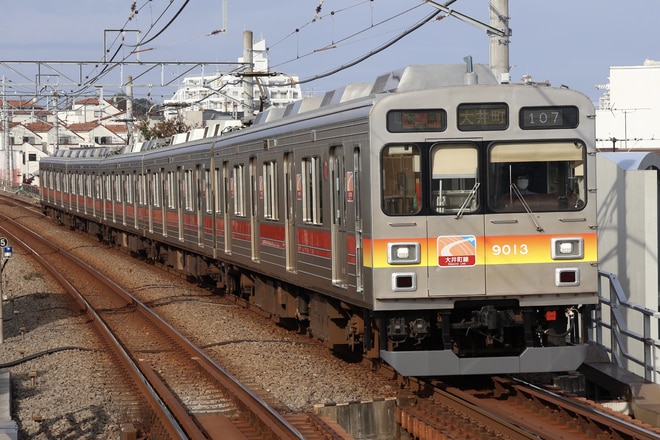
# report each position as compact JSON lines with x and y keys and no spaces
{"x":364,"y":57}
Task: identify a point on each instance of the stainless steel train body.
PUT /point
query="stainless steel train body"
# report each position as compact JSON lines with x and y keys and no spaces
{"x":384,"y":216}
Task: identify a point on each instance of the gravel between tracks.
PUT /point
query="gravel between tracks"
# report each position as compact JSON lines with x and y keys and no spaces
{"x":69,"y":397}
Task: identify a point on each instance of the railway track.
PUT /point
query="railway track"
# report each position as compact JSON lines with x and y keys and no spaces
{"x":507,"y":409}
{"x":512,"y":409}
{"x":184,"y":393}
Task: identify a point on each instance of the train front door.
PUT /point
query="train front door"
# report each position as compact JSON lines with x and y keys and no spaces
{"x":455,"y":235}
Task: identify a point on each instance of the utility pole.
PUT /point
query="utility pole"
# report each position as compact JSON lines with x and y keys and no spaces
{"x":248,"y":81}
{"x":129,"y":109}
{"x":6,"y":255}
{"x":498,"y":31}
{"x":499,"y":42}
{"x":5,"y":133}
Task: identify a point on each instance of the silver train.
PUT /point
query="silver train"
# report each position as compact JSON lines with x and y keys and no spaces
{"x":444,"y":225}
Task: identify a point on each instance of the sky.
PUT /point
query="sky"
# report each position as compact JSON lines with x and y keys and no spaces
{"x":565,"y":42}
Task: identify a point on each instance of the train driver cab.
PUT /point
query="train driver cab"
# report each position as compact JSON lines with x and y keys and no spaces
{"x":540,"y":177}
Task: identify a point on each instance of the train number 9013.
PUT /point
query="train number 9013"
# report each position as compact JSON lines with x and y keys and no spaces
{"x":510,"y":249}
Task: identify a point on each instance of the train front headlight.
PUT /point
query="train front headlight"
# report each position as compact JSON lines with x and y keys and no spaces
{"x":568,"y":248}
{"x":403,"y":253}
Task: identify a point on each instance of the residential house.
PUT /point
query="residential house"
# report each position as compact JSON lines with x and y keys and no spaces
{"x":96,"y":134}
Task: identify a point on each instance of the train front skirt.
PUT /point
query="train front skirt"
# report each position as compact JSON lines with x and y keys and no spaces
{"x":446,"y":363}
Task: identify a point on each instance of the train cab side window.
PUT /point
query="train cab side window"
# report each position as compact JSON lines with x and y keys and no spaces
{"x":541,"y":176}
{"x":401,"y":180}
{"x":454,"y":178}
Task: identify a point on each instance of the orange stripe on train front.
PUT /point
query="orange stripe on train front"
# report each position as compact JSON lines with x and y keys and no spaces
{"x":491,"y":250}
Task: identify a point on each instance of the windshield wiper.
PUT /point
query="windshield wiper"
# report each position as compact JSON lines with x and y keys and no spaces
{"x":468,"y":200}
{"x":523,"y":202}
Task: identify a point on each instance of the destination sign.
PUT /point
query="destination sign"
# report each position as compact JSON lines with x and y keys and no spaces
{"x":401,"y":121}
{"x":480,"y":117}
{"x":538,"y":118}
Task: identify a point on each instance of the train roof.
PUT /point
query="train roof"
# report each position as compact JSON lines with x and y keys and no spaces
{"x":410,"y":78}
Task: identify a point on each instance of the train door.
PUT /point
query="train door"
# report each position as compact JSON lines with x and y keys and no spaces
{"x":180,"y":186}
{"x":353,"y":196}
{"x":200,"y":198}
{"x":105,"y":187}
{"x":217,"y":207}
{"x":169,"y":208}
{"x":338,"y":209}
{"x":227,"y":189}
{"x":72,"y":192}
{"x":125,"y":196}
{"x":68,"y":191}
{"x":289,"y":215}
{"x":115,"y":197}
{"x":254,"y":209}
{"x":94,"y":184}
{"x":455,"y":234}
{"x":134,"y":191}
{"x":138,"y":200}
{"x":163,"y":182}
{"x":150,"y":200}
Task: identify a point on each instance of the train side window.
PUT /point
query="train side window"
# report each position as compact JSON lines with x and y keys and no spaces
{"x":107,"y":186}
{"x":454,"y":182}
{"x":129,"y":185}
{"x":218,"y":190}
{"x":89,"y":183}
{"x":155,"y":189}
{"x":171,"y":190}
{"x":238,"y":189}
{"x":81,"y":185}
{"x":207,"y":193}
{"x":400,"y":179}
{"x":268,"y":190}
{"x":117,"y":187}
{"x":311,"y":190}
{"x":188,"y":192}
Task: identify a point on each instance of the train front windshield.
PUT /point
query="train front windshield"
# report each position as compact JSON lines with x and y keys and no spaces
{"x":541,"y":176}
{"x":547,"y":176}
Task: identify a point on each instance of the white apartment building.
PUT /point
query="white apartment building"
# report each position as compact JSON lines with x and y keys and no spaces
{"x":223,"y":92}
{"x":628,"y":114}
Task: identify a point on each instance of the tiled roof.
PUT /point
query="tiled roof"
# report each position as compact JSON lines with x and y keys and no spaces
{"x":38,"y":126}
{"x":83,"y":126}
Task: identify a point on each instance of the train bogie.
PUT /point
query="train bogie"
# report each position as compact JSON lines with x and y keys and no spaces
{"x":447,"y":229}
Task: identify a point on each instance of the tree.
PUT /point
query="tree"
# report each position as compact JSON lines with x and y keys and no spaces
{"x":140,"y":105}
{"x":162,"y":129}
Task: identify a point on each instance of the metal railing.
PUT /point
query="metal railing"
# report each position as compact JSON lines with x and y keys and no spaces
{"x":622,"y":338}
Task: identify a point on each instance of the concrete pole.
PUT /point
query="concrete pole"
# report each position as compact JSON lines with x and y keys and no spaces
{"x":499,"y":46}
{"x":248,"y":80}
{"x":5,"y":133}
{"x":129,"y":109}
